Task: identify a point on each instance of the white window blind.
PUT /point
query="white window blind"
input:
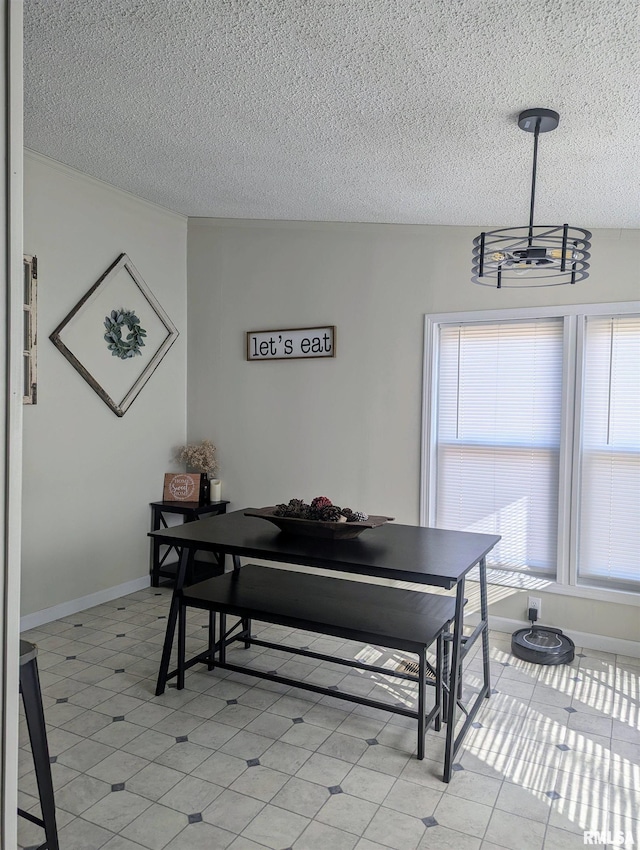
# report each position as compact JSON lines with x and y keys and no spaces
{"x":498,"y":428}
{"x":609,"y":463}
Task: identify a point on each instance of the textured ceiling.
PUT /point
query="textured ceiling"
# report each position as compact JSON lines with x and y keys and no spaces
{"x":343,"y":110}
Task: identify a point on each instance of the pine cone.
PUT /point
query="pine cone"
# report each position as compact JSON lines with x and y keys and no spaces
{"x":321,"y":502}
{"x":346,"y":512}
{"x":281,"y":510}
{"x":330,"y":513}
{"x":357,"y":516}
{"x":296,"y":507}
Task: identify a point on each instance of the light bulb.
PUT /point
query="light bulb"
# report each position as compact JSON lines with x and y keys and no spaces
{"x":498,"y":257}
{"x":556,"y":254}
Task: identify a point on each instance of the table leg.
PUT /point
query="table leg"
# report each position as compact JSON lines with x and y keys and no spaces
{"x":484,"y":615}
{"x":186,"y":558}
{"x":454,"y":677}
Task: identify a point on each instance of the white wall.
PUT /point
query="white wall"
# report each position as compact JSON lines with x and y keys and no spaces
{"x":349,"y":427}
{"x":89,"y":475}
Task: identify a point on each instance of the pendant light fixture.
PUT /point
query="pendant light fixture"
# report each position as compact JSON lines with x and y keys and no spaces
{"x":535,"y":255}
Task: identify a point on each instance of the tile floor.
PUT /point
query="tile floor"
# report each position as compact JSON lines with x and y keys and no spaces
{"x":239,"y":763}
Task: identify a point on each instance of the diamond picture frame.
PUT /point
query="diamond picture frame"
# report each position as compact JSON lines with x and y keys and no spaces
{"x":117,"y":377}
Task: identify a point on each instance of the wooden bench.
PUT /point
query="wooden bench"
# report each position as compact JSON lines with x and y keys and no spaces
{"x":406,"y":620}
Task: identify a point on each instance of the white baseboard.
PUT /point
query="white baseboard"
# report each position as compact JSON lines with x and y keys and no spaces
{"x":603,"y":643}
{"x":56,"y":612}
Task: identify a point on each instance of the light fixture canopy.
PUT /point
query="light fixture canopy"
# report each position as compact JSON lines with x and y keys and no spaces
{"x":533,"y":255}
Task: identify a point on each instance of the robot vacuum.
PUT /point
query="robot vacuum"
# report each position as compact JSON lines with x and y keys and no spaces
{"x":542,"y":645}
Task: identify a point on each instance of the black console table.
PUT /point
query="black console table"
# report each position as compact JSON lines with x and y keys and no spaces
{"x":160,"y":567}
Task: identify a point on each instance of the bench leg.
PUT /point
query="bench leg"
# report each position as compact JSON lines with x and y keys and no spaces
{"x":484,"y":615}
{"x":422,"y":689}
{"x":246,"y":622}
{"x":445,"y":676}
{"x":223,"y":638}
{"x":182,"y":642}
{"x":212,"y":639}
{"x":155,"y":562}
{"x":437,"y":725}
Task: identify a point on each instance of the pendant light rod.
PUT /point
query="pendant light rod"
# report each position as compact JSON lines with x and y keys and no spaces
{"x":536,"y":121}
{"x":536,"y":133}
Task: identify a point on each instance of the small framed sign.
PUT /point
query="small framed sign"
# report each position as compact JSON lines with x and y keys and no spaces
{"x":292,"y":343}
{"x":182,"y":486}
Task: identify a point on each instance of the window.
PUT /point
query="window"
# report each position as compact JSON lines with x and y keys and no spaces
{"x":609,"y":453}
{"x":29,"y":316}
{"x":532,"y":431}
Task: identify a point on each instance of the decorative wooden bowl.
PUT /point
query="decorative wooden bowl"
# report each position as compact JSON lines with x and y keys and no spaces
{"x":317,"y":528}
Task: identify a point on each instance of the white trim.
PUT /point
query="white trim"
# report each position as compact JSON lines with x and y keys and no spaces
{"x":65,"y":609}
{"x":585,"y":640}
{"x":558,"y":311}
{"x":577,"y":448}
{"x":12,"y":365}
{"x":426,"y":446}
{"x":565,"y":512}
{"x":75,"y":174}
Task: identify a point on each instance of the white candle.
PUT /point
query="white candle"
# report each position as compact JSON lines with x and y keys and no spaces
{"x":215,"y":488}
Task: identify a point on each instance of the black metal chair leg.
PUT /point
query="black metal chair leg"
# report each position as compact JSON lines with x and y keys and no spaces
{"x":32,"y":700}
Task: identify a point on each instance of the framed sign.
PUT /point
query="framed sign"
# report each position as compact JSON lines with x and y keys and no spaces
{"x":182,"y":486}
{"x":292,"y":343}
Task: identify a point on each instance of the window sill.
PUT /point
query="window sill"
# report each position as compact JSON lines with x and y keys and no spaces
{"x":522,"y":581}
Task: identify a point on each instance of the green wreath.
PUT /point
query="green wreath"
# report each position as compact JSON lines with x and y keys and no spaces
{"x":124,"y":348}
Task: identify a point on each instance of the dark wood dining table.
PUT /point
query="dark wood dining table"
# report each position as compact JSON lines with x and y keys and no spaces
{"x":425,"y":556}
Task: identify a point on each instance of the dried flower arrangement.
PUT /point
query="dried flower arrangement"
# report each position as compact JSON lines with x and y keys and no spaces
{"x":201,"y":457}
